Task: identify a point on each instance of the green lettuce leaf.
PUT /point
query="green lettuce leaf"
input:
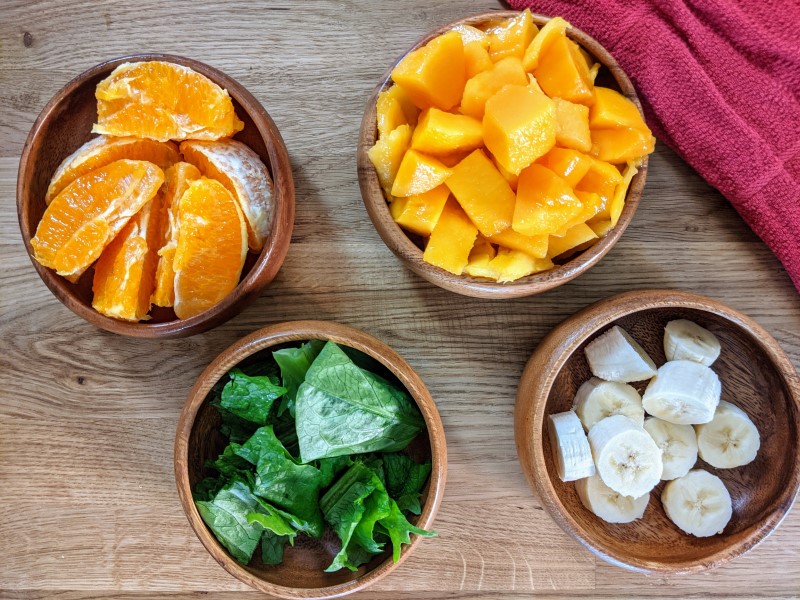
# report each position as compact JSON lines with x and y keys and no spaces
{"x":399,"y":529}
{"x":342,"y":409}
{"x":226,"y":516}
{"x":250,"y":398}
{"x":294,"y":363}
{"x":272,"y":546}
{"x":271,"y":518}
{"x":405,"y":480}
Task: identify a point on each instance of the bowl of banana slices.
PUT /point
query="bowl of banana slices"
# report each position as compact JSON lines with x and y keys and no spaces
{"x":662,"y":430}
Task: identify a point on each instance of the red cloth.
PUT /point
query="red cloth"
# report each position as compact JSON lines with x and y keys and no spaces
{"x":720,"y":84}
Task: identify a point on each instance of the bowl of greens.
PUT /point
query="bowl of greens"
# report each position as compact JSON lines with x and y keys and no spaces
{"x":310,"y":459}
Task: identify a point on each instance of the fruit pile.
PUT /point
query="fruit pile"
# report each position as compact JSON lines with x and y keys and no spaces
{"x":495,"y":146}
{"x":625,"y":455}
{"x":162,"y":224}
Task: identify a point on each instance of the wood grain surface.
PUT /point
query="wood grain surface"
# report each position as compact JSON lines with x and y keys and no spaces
{"x":87,"y":418}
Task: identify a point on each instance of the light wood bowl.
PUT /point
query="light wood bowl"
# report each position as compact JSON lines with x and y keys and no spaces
{"x":756,"y":374}
{"x":65,"y":124}
{"x":408,"y":247}
{"x":301,"y":574}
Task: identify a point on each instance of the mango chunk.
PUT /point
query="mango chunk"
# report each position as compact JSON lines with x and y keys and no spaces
{"x":387,"y":154}
{"x":533,"y":245}
{"x":511,"y":265}
{"x":483,"y":193}
{"x":418,"y":174}
{"x":421,"y":212}
{"x":476,"y":59}
{"x":593,"y":205}
{"x":512,"y":37}
{"x":576,"y":236}
{"x":601,"y":228}
{"x":621,"y":145}
{"x":440,"y":132}
{"x":618,"y":201}
{"x":572,"y":125}
{"x":480,"y":256}
{"x":390,"y":114}
{"x":570,"y":165}
{"x":511,"y":178}
{"x":519,"y":126}
{"x":409,"y":108}
{"x":486,"y":84}
{"x":545,"y":203}
{"x":451,"y":160}
{"x":471,"y":34}
{"x":612,"y":110}
{"x":435,"y":74}
{"x":562,"y":72}
{"x":452,"y":240}
{"x":552,"y":30}
{"x":602,"y":179}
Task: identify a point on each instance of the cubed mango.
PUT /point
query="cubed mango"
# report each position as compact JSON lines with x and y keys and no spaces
{"x":439,"y":132}
{"x":519,"y":126}
{"x":512,"y":37}
{"x":418,"y":174}
{"x":562,"y":72}
{"x":572,"y":125}
{"x":545,"y":203}
{"x":421,"y":212}
{"x":621,"y":145}
{"x":601,"y":228}
{"x":471,"y":34}
{"x":554,"y":29}
{"x":390,"y":114}
{"x":593,"y":205}
{"x":570,"y":165}
{"x":618,"y":201}
{"x":452,"y":240}
{"x":476,"y":59}
{"x":511,"y":178}
{"x":387,"y":154}
{"x":486,"y":84}
{"x":480,"y":256}
{"x":612,"y":110}
{"x":576,"y":236}
{"x":534,"y":245}
{"x":511,"y":265}
{"x":602,"y":178}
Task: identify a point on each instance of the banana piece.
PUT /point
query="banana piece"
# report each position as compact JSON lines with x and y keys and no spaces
{"x":686,"y":340}
{"x":698,"y":503}
{"x":571,"y":451}
{"x":683,"y":392}
{"x":625,"y":456}
{"x":597,"y":399}
{"x":678,"y":444}
{"x":730,"y":439}
{"x":607,"y":504}
{"x":615,"y":356}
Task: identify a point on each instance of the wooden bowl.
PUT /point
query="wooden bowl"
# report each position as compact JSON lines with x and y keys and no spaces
{"x":756,"y":375}
{"x":409,"y":247}
{"x":301,"y":574}
{"x":65,"y":124}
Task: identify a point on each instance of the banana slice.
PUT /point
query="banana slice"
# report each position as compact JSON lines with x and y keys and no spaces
{"x":571,"y":451}
{"x":626,"y":457}
{"x":615,"y":356}
{"x":730,"y":439}
{"x":597,"y":399}
{"x":683,"y":392}
{"x":678,"y":444}
{"x":686,"y":340}
{"x":607,"y":504}
{"x":698,"y":503}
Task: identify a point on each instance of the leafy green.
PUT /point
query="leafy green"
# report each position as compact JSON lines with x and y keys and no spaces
{"x":343,"y":409}
{"x":272,"y":546}
{"x":294,"y":363}
{"x":405,"y":480}
{"x":226,"y":516}
{"x":250,"y":398}
{"x":286,"y":432}
{"x":271,"y":518}
{"x":231,"y":465}
{"x":331,"y":467}
{"x":207,"y":488}
{"x":398,"y":528}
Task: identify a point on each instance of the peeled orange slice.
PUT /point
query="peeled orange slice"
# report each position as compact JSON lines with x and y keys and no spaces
{"x":89,"y":212}
{"x":176,"y":181}
{"x":103,"y":150}
{"x":241,"y":171}
{"x":163,"y":101}
{"x":124,"y":275}
{"x":212,"y":245}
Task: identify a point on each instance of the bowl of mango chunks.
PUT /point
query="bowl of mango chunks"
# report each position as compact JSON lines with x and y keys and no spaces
{"x":503,"y":155}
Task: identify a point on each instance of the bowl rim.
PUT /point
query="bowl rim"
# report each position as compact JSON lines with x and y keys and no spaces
{"x":268,"y":261}
{"x":293,"y":331}
{"x":401,"y":245}
{"x":549,"y":358}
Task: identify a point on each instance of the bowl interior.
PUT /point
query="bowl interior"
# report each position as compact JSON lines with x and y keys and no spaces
{"x":68,"y":125}
{"x":304,"y":563}
{"x":409,"y":246}
{"x":751,"y":381}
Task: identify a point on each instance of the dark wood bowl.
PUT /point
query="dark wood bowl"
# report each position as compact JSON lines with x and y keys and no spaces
{"x":65,"y":124}
{"x":409,"y":249}
{"x":301,"y":574}
{"x":755,"y":373}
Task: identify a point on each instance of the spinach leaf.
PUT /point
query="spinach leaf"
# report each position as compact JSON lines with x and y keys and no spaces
{"x":271,"y":518}
{"x":286,"y":432}
{"x":342,"y":409}
{"x":207,"y":488}
{"x":272,"y":547}
{"x":294,"y":362}
{"x":376,"y":507}
{"x":405,"y":480}
{"x":226,"y":516}
{"x":231,"y":465}
{"x":331,"y":467}
{"x":398,"y":528}
{"x":234,"y":428}
{"x":250,"y":398}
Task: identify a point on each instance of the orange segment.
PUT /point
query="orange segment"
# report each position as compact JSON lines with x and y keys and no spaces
{"x":163,"y":101}
{"x":176,"y":181}
{"x":124,"y":275}
{"x":89,"y":212}
{"x":241,"y":171}
{"x":212,"y":244}
{"x":103,"y":150}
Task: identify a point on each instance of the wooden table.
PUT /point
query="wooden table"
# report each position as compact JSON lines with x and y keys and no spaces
{"x":87,"y":418}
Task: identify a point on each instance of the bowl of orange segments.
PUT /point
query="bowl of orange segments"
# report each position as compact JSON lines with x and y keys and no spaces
{"x":503,"y":155}
{"x":155,"y":196}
